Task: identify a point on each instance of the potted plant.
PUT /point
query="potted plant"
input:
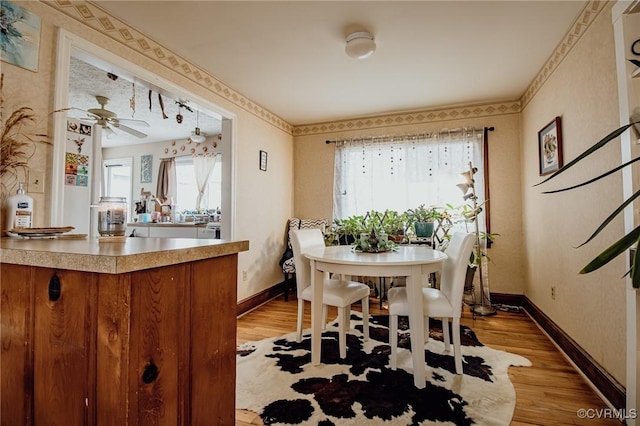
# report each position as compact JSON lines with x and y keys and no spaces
{"x":18,"y":144}
{"x":345,"y":231}
{"x":394,"y":224}
{"x":422,"y":220}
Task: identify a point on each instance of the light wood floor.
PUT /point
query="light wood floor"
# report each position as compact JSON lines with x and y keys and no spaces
{"x":548,"y":393}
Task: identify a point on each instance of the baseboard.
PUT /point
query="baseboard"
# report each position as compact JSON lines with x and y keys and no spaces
{"x":507,"y":299}
{"x":609,"y":387}
{"x":261,"y":298}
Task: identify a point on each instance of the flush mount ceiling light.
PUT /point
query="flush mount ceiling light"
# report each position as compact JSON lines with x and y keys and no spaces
{"x":360,"y":45}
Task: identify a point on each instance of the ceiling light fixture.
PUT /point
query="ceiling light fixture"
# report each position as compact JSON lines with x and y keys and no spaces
{"x":360,"y":45}
{"x":196,"y":135}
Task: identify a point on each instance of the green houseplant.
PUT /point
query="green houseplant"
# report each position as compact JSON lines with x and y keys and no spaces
{"x":632,"y":237}
{"x":422,"y":220}
{"x":394,"y":224}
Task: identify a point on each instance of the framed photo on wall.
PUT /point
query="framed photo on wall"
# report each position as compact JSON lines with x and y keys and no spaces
{"x":550,"y":147}
{"x":263,"y":161}
{"x":146,"y":167}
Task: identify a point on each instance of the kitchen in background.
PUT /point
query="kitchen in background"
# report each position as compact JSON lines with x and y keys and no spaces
{"x":141,"y":125}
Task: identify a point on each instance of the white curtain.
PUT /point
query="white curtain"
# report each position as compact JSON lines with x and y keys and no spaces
{"x":203,"y":166}
{"x":403,"y":172}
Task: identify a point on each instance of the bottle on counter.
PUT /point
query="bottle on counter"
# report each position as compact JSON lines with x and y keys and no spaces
{"x":19,"y":209}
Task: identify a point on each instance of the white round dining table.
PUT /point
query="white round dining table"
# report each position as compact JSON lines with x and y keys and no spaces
{"x":413,"y":262}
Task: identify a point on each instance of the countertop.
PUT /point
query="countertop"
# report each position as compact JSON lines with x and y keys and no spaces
{"x":133,"y":254}
{"x":177,"y":224}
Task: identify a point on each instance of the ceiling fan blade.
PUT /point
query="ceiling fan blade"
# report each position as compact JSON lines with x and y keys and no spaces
{"x":129,"y":130}
{"x":109,"y":131}
{"x":132,"y":121}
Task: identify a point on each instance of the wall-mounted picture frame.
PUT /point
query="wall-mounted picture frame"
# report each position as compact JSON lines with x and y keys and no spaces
{"x":263,"y":161}
{"x":20,"y":43}
{"x":550,"y":147}
{"x":146,"y":167}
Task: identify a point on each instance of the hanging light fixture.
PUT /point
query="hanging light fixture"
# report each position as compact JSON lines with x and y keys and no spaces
{"x":197,"y":136}
{"x":360,"y":45}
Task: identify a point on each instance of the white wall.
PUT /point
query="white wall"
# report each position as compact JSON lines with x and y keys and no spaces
{"x":582,"y":90}
{"x":264,"y":200}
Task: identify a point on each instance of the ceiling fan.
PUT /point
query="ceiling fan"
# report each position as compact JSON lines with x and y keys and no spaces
{"x":110,"y":120}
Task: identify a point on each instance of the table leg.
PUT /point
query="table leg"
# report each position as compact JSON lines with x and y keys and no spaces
{"x":416,"y":324}
{"x":317,"y":281}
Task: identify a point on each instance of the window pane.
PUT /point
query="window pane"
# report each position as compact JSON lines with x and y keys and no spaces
{"x":188,"y":188}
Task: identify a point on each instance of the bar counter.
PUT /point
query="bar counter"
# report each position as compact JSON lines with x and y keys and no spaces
{"x":133,"y":254}
{"x":137,"y":332}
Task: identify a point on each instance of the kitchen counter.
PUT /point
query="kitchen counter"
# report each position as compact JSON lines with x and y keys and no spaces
{"x":113,"y":257}
{"x":138,"y":332}
{"x":177,"y":224}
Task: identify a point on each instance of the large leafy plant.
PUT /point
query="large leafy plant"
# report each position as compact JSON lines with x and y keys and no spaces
{"x":629,"y":239}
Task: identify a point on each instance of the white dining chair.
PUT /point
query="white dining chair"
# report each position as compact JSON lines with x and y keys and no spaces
{"x":336,"y":292}
{"x":445,"y":303}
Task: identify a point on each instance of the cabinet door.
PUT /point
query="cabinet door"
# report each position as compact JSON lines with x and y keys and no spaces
{"x":159,"y":347}
{"x":16,"y":351}
{"x":173,"y":231}
{"x":137,"y":231}
{"x":64,"y":342}
{"x":213,"y":233}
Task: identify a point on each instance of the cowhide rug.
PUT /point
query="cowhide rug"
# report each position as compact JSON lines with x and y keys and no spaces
{"x":276,"y":380}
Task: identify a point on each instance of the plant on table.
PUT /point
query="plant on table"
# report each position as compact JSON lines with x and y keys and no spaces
{"x":422,"y":219}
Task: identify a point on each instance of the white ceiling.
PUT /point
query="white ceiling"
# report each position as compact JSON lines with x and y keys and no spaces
{"x":289,"y":56}
{"x":89,"y":78}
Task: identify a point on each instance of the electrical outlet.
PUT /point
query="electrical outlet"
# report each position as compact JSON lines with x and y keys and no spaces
{"x":553,"y":292}
{"x":36,"y":181}
{"x":244,"y":275}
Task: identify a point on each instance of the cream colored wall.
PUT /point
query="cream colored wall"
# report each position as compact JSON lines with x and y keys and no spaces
{"x":313,"y":188}
{"x":590,"y":308}
{"x":263,"y":199}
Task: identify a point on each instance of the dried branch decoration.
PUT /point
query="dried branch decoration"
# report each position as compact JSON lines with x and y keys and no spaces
{"x":17,"y":143}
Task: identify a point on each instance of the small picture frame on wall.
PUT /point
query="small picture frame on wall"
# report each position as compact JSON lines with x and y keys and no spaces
{"x":263,"y":161}
{"x":146,"y":167}
{"x":550,"y":147}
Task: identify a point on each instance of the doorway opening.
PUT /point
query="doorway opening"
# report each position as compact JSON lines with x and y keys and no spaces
{"x":203,"y":126}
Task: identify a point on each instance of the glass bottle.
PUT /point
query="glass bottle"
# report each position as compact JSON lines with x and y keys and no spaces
{"x":112,"y":216}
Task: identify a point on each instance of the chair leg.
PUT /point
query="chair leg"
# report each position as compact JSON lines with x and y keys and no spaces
{"x":445,"y":334}
{"x":343,"y":326}
{"x":365,"y":317}
{"x":393,"y":340}
{"x":286,"y":286}
{"x":300,"y":317}
{"x":456,"y":345}
{"x":426,"y":330}
{"x":325,"y":309}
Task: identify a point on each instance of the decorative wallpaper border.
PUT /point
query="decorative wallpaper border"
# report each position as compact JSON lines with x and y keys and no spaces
{"x":579,"y":27}
{"x":99,"y":20}
{"x":407,"y":118}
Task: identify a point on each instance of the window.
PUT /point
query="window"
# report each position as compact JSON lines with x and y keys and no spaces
{"x":118,"y":180}
{"x":405,"y":172}
{"x":188,"y":188}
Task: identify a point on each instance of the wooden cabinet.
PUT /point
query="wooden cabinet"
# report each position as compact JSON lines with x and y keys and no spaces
{"x":149,"y":347}
{"x":137,"y":231}
{"x":166,"y":231}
